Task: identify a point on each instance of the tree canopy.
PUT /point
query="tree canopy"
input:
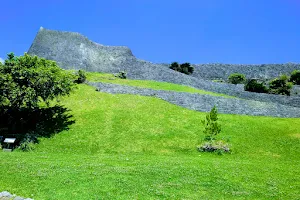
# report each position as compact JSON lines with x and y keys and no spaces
{"x":26,"y":81}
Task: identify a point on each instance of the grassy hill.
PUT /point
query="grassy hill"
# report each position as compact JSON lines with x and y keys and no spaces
{"x":135,"y":147}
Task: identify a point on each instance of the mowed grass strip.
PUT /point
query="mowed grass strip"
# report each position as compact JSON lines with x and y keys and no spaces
{"x":134,"y":147}
{"x":155,"y":85}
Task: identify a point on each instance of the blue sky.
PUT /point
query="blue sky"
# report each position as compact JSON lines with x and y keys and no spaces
{"x":162,"y":31}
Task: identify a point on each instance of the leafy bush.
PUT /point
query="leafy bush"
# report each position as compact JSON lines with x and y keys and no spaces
{"x":212,"y":128}
{"x":185,"y":68}
{"x":236,"y":78}
{"x":27,"y":144}
{"x":26,"y":83}
{"x":27,"y":80}
{"x":295,"y":77}
{"x":122,"y":75}
{"x":253,"y":85}
{"x":81,"y":76}
{"x":175,"y":66}
{"x":280,"y":85}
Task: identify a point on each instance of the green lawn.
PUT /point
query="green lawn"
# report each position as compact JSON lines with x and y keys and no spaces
{"x":156,"y":85}
{"x":135,"y":147}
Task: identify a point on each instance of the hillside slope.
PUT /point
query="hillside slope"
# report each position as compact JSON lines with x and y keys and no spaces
{"x":134,"y":147}
{"x":74,"y":51}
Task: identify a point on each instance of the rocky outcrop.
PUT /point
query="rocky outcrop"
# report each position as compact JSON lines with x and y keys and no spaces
{"x":74,"y":51}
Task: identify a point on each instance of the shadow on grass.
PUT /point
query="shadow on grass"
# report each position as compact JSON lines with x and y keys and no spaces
{"x":41,"y":122}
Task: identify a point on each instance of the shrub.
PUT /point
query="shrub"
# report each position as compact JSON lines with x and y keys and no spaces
{"x":236,"y":78}
{"x":175,"y":66}
{"x":252,"y":85}
{"x":214,"y":146}
{"x":81,"y":76}
{"x":27,"y":144}
{"x":27,"y":83}
{"x":212,"y":128}
{"x":185,"y":68}
{"x":295,"y":77}
{"x":27,"y":80}
{"x":280,"y":86}
{"x":121,"y":74}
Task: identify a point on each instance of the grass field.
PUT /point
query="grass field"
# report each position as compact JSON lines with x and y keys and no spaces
{"x":135,"y":147}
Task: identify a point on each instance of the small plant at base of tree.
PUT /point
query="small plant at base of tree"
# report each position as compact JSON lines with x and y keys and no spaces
{"x":237,"y":78}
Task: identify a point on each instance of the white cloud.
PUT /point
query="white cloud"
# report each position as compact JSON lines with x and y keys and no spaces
{"x":1,"y":60}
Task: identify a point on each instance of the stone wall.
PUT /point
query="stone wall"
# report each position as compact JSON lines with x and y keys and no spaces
{"x":204,"y":103}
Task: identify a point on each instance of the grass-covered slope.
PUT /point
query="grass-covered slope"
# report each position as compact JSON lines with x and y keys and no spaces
{"x":134,"y":147}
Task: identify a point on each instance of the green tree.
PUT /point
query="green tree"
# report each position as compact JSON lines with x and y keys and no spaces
{"x":26,"y":81}
{"x":185,"y":68}
{"x":281,"y":85}
{"x":175,"y":66}
{"x":81,"y":76}
{"x":253,"y":85}
{"x":236,"y":78}
{"x":212,"y":127}
{"x":295,"y":77}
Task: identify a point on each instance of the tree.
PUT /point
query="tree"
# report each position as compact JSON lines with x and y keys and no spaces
{"x":175,"y":66}
{"x":295,"y":77}
{"x":26,"y":81}
{"x":81,"y":77}
{"x":253,"y":85}
{"x":212,"y":128}
{"x":281,"y":85}
{"x":185,"y":68}
{"x":236,"y":78}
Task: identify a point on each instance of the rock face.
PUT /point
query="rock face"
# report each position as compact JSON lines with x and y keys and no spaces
{"x":74,"y":51}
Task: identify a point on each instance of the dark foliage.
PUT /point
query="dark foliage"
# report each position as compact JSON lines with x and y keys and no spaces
{"x":295,"y":77}
{"x":40,"y":122}
{"x":236,"y":78}
{"x":185,"y":68}
{"x":280,"y":86}
{"x":254,"y":86}
{"x":122,"y":75}
{"x":81,"y":77}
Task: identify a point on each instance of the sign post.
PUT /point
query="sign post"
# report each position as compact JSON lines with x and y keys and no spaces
{"x":9,"y":144}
